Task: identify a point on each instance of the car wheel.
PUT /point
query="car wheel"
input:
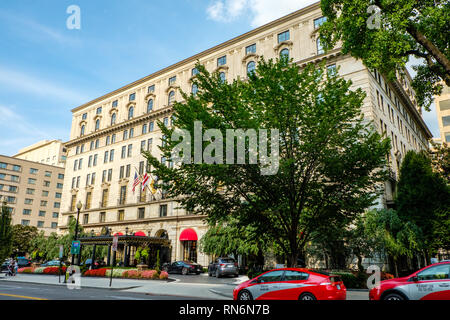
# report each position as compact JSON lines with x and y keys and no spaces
{"x":245,"y":295}
{"x":184,"y":271}
{"x":307,"y":297}
{"x":393,"y":297}
{"x":218,"y":274}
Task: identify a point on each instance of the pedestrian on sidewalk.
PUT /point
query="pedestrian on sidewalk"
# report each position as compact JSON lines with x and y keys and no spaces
{"x":16,"y":267}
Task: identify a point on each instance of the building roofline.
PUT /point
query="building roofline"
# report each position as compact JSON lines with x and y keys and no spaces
{"x":37,"y":147}
{"x":195,"y":57}
{"x":28,"y":161}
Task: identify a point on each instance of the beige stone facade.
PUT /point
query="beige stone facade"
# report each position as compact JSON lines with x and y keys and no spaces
{"x":443,"y":114}
{"x":48,"y":152}
{"x":33,"y":192}
{"x":104,"y":124}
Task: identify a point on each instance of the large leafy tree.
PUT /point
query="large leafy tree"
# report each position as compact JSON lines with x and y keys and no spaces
{"x":5,"y":232}
{"x":405,"y":28}
{"x":330,"y":159}
{"x":22,"y":237}
{"x":423,"y":198}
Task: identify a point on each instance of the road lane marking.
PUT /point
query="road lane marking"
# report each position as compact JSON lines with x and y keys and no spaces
{"x":22,"y":297}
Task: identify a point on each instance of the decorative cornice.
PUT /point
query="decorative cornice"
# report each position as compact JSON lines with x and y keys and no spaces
{"x":248,"y":56}
{"x":287,"y":43}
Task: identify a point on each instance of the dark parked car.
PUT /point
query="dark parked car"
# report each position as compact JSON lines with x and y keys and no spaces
{"x":183,"y":267}
{"x":52,"y":263}
{"x":23,"y":262}
{"x":223,"y":266}
{"x":5,"y":265}
{"x":97,"y":264}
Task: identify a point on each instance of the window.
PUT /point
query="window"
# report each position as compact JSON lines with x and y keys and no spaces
{"x":17,"y":168}
{"x":82,"y":148}
{"x":123,"y":194}
{"x":272,"y":276}
{"x":109,"y":174}
{"x":58,"y":195}
{"x":99,"y":110}
{"x":142,"y":145}
{"x":95,"y":160}
{"x":12,"y":189}
{"x":59,"y":186}
{"x":251,"y":66}
{"x":41,"y":213}
{"x":55,"y":215}
{"x":61,"y":176}
{"x":434,"y":273}
{"x":84,"y":116}
{"x":151,"y":126}
{"x":40,"y":224}
{"x":3,"y":165}
{"x":131,"y":132}
{"x":25,"y":222}
{"x":171,"y":99}
{"x":97,"y":143}
{"x":194,"y":72}
{"x":111,"y":155}
{"x":113,"y":119}
{"x":132,"y":97}
{"x":83,"y":127}
{"x":130,"y":113}
{"x":80,"y":164}
{"x":121,"y":172}
{"x":31,"y":181}
{"x":124,"y":151}
{"x":46,"y":183}
{"x":28,"y":201}
{"x":108,"y":140}
{"x":331,"y":70}
{"x":54,"y":225}
{"x":163,"y":210}
{"x":93,"y":178}
{"x":149,"y":144}
{"x":166,"y":121}
{"x":284,"y":53}
{"x":102,"y":217}
{"x":290,"y":275}
{"x":222,"y":61}
{"x":56,"y":205}
{"x":30,"y":191}
{"x":45,"y":193}
{"x":90,"y":161}
{"x":144,"y":128}
{"x":222,"y":77}
{"x":104,"y":176}
{"x":106,"y":157}
{"x":284,"y":36}
{"x":78,"y":181}
{"x":151,"y":89}
{"x":446,"y":121}
{"x":121,"y":215}
{"x":150,"y":105}
{"x":88,"y":179}
{"x":15,"y":178}
{"x":2,"y":176}
{"x":141,"y":167}
{"x":128,"y":171}
{"x":33,"y":171}
{"x":26,"y":212}
{"x":105,"y":193}
{"x":97,"y":124}
{"x":318,"y":22}
{"x":194,"y":89}
{"x":85,"y":218}
{"x":43,"y":203}
{"x":141,"y":213}
{"x":320,"y":49}
{"x":125,"y":134}
{"x":172,"y":80}
{"x":250,"y":49}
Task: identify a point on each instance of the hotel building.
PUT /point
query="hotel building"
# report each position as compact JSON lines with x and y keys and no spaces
{"x":33,"y":192}
{"x":47,"y":152}
{"x":108,"y":133}
{"x":443,"y":113}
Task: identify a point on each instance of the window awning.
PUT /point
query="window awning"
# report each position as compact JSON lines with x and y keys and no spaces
{"x":188,"y":235}
{"x":140,"y":234}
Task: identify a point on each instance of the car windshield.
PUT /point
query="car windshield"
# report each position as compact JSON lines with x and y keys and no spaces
{"x":227,"y":260}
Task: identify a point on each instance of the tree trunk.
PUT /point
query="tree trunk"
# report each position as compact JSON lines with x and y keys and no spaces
{"x":395,"y":268}
{"x":427,"y":258}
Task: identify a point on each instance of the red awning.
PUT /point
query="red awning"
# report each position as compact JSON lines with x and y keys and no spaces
{"x":140,"y":234}
{"x":118,"y":234}
{"x":188,"y":235}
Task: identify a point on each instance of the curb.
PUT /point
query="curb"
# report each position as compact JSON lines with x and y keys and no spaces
{"x":220,"y":293}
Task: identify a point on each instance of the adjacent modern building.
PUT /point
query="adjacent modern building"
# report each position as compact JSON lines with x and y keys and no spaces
{"x":47,"y":152}
{"x":33,"y":192}
{"x":109,"y":133}
{"x":443,"y":113}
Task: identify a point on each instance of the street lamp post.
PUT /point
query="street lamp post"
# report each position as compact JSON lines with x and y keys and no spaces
{"x":79,"y":206}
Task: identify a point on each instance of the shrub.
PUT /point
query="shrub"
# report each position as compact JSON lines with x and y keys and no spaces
{"x":25,"y":270}
{"x":386,"y":276}
{"x":133,"y":274}
{"x":96,"y":273}
{"x":54,"y":270}
{"x":39,"y":270}
{"x":148,"y":274}
{"x":164,"y":275}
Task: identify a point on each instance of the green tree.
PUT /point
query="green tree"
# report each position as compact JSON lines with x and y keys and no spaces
{"x":5,"y":232}
{"x":330,"y":159}
{"x":22,"y":238}
{"x":423,"y":199}
{"x":407,"y":28}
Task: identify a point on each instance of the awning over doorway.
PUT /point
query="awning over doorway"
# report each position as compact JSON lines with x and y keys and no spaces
{"x":188,"y":235}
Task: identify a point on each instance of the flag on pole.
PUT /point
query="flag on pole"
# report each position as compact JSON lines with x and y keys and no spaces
{"x":137,"y":180}
{"x":152,"y":186}
{"x":145,"y":181}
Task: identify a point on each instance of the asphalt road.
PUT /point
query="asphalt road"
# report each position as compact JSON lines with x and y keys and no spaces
{"x":28,"y":291}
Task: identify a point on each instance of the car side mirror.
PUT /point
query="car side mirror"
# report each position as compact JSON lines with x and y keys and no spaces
{"x":415,"y":278}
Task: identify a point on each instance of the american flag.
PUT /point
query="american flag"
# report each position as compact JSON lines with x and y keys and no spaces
{"x":145,"y":181}
{"x":137,"y":180}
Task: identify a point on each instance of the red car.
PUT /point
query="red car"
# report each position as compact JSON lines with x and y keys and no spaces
{"x":291,"y":284}
{"x":429,"y":283}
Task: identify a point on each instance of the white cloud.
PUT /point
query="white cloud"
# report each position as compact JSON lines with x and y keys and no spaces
{"x":260,"y":11}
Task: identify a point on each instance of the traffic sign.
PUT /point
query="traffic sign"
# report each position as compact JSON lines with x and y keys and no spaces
{"x":75,"y":249}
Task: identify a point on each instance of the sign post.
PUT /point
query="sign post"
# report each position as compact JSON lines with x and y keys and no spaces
{"x":61,"y":253}
{"x":114,"y":249}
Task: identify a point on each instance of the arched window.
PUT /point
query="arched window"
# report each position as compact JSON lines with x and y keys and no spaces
{"x":150,"y":105}
{"x":251,"y":66}
{"x":222,"y":76}
{"x":97,"y":124}
{"x":130,"y":113}
{"x":284,"y":53}
{"x":113,"y":119}
{"x":194,"y":89}
{"x":83,"y":127}
{"x":171,"y":98}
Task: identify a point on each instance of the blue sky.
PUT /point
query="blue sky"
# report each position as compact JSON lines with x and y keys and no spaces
{"x":47,"y":69}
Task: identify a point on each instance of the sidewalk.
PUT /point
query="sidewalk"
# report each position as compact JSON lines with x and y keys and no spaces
{"x":152,"y":287}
